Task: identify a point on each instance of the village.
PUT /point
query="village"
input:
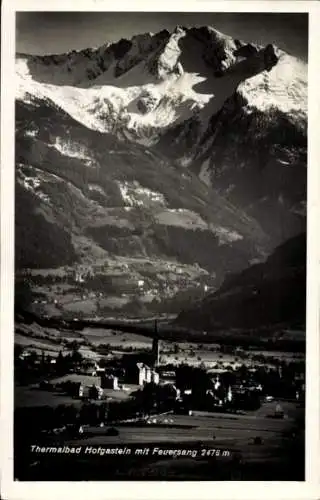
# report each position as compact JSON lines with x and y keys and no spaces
{"x":138,"y":387}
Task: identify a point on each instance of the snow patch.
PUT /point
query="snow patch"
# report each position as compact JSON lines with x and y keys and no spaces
{"x":72,"y":150}
{"x":31,"y":133}
{"x":134,"y":194}
{"x":33,"y":185}
{"x":204,"y":174}
{"x":97,"y":188}
{"x":185,"y":161}
{"x":109,"y":108}
{"x":225,"y":235}
{"x":169,"y":58}
{"x":181,"y":217}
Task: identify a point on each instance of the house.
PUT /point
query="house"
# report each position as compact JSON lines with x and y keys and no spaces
{"x":109,"y":382}
{"x":279,"y":413}
{"x":78,"y":277}
{"x":91,"y":368}
{"x":100,"y":371}
{"x":146,"y":374}
{"x":24,"y":355}
{"x":142,"y":373}
{"x":172,"y":389}
{"x":229,"y":395}
{"x":95,"y":392}
{"x":216,"y":382}
{"x":155,"y":378}
{"x":167,"y":375}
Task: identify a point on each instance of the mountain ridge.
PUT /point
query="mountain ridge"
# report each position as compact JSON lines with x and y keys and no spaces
{"x":174,"y":153}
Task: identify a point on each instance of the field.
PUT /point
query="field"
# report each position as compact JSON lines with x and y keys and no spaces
{"x":217,"y":440}
{"x":233,"y":431}
{"x":29,"y":397}
{"x":98,"y":336}
{"x":32,"y":396}
{"x":51,"y":341}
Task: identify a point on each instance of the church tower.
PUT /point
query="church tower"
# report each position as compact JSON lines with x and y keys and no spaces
{"x":155,"y":345}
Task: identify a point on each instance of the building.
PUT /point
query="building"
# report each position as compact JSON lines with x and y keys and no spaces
{"x":155,"y":346}
{"x":88,"y":368}
{"x":216,"y":382}
{"x":229,"y":395}
{"x":279,"y":413}
{"x":172,"y":390}
{"x":168,"y":376}
{"x":100,"y":371}
{"x":142,"y":373}
{"x":155,"y":351}
{"x":146,"y":375}
{"x":155,"y":378}
{"x":109,"y":382}
{"x":95,"y":392}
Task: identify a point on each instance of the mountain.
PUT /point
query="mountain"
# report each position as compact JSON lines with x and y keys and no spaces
{"x":156,"y":164}
{"x":270,"y":294}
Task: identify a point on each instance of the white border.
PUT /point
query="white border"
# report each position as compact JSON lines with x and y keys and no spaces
{"x":310,"y":489}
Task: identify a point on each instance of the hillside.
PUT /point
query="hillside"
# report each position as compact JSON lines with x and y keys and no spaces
{"x":270,"y":294}
{"x":155,"y":165}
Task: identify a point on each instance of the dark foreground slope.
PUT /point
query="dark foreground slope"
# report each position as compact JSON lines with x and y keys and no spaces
{"x":264,"y":295}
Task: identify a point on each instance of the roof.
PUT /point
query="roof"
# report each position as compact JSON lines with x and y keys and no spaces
{"x":142,"y":365}
{"x":110,"y":376}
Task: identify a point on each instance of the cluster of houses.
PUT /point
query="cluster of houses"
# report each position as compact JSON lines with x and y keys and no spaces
{"x":221,"y":396}
{"x":94,"y":381}
{"x":143,"y":374}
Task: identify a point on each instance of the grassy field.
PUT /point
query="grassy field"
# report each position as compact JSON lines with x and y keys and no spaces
{"x":44,"y":343}
{"x":236,"y":431}
{"x":206,"y":433}
{"x":98,"y":336}
{"x":28,"y":396}
{"x":50,"y":340}
{"x":231,"y":434}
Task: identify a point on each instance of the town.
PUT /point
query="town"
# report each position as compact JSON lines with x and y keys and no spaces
{"x":138,"y":387}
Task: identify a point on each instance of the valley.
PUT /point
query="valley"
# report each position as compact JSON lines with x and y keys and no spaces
{"x":160,"y":257}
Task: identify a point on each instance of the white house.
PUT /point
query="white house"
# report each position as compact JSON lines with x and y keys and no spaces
{"x":146,"y":374}
{"x":229,"y":395}
{"x":155,"y":378}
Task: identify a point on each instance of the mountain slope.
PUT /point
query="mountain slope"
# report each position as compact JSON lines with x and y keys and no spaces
{"x":269,"y":294}
{"x":83,"y":203}
{"x":232,"y":112}
{"x":170,"y":160}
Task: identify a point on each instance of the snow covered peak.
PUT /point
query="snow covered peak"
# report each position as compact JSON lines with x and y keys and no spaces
{"x":199,"y":50}
{"x":140,"y":88}
{"x":285,"y":87}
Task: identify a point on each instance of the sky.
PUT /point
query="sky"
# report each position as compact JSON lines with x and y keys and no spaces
{"x":59,"y":32}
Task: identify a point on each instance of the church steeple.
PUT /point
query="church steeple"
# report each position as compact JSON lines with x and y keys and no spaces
{"x":155,"y":345}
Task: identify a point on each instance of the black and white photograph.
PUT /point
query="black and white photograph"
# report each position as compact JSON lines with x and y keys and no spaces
{"x":160,"y":230}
